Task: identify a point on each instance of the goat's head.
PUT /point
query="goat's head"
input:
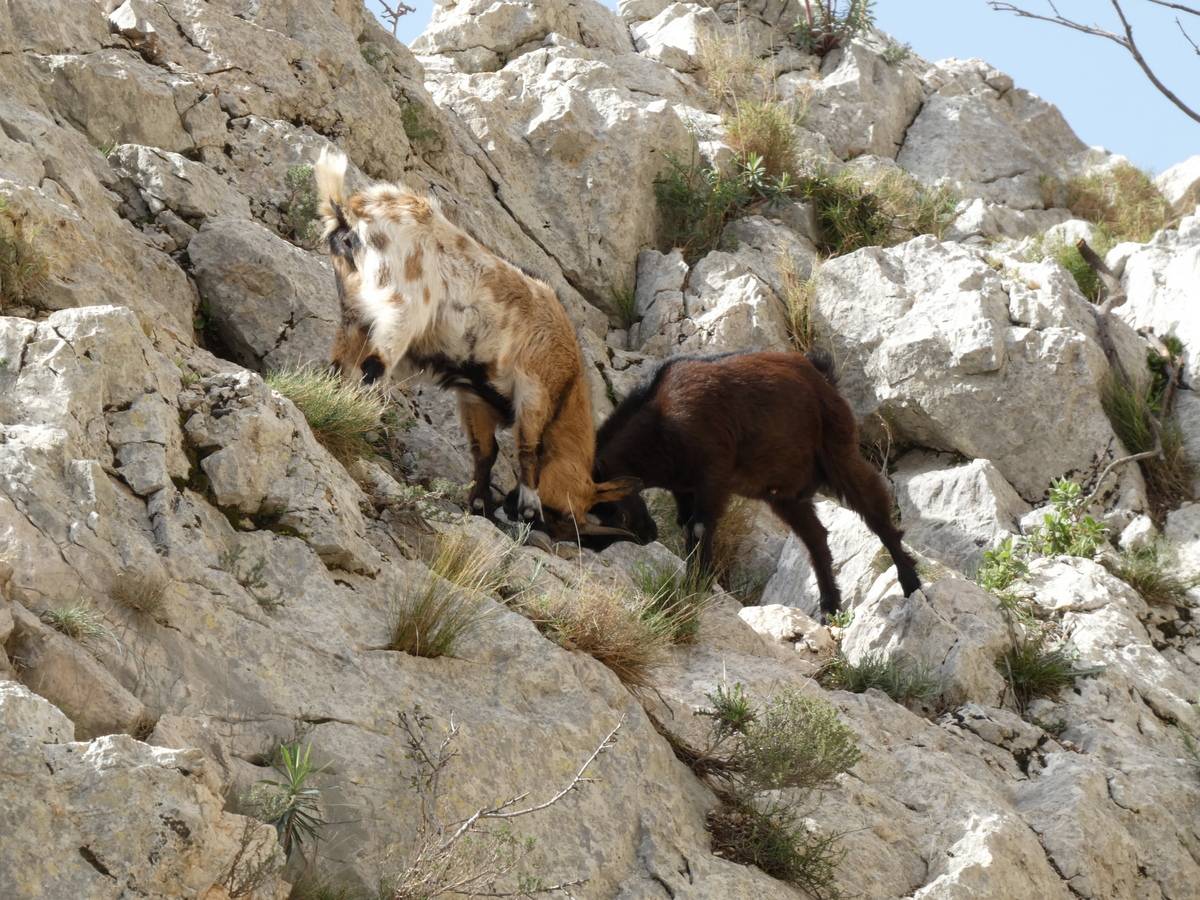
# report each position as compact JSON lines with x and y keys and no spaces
{"x":613,"y":512}
{"x":625,"y":511}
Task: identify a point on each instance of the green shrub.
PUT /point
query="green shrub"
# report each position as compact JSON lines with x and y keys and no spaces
{"x":764,"y":130}
{"x":79,"y":621}
{"x":1001,"y":566}
{"x":903,"y":679}
{"x":1033,"y":667}
{"x":796,"y":741}
{"x":1068,"y":530}
{"x":678,"y":598}
{"x":1148,"y":571}
{"x":731,"y":711}
{"x":341,"y":414}
{"x":300,"y":209}
{"x":624,"y":304}
{"x":895,"y":53}
{"x":23,"y":267}
{"x":1123,"y":199}
{"x":826,"y":25}
{"x":289,"y":803}
{"x":773,"y":836}
{"x":451,"y":602}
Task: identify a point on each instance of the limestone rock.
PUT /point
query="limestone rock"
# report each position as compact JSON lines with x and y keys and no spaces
{"x":1180,"y":184}
{"x":169,"y":181}
{"x":789,"y":626}
{"x":673,"y":37}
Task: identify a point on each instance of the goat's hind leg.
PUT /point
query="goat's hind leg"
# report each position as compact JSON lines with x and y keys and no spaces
{"x":800,"y":515}
{"x":479,"y":421}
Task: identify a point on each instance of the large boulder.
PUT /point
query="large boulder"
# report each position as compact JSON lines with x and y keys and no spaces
{"x":986,"y":138}
{"x":957,"y":356}
{"x":1180,"y":184}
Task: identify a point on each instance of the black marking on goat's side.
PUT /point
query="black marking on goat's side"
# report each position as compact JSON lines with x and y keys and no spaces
{"x":561,"y":402}
{"x":372,"y":369}
{"x":470,"y":376}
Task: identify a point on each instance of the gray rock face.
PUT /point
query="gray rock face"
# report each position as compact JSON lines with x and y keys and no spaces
{"x":1180,"y":184}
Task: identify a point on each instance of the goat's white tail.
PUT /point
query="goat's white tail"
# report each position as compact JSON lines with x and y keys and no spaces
{"x":330,"y":175}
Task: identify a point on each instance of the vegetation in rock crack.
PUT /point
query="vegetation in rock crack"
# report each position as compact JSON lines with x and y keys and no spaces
{"x":624,"y":303}
{"x":903,"y":679}
{"x":842,"y":618}
{"x":80,"y":621}
{"x":730,"y":69}
{"x":479,"y":855}
{"x":825,"y":25}
{"x":895,"y":53}
{"x":413,"y":120}
{"x":342,"y":415}
{"x":1068,"y":529}
{"x":1037,"y":666}
{"x":798,"y":295}
{"x":300,"y":212}
{"x":1149,"y":570}
{"x":774,"y":836}
{"x":765,"y":764}
{"x":613,"y":625}
{"x":1069,"y":257}
{"x":142,"y":592}
{"x":1136,"y":418}
{"x":291,"y":803}
{"x":732,"y":533}
{"x":1001,"y":566}
{"x":764,"y":129}
{"x":252,"y":577}
{"x":23,"y":267}
{"x":1122,"y":199}
{"x":452,"y":600}
{"x":253,"y":866}
{"x":677,"y":597}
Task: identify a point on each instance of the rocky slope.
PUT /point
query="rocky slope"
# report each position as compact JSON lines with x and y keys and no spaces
{"x":145,"y":148}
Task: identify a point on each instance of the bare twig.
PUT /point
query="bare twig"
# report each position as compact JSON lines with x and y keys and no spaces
{"x":1155,"y":451}
{"x":1187,"y":37}
{"x":1124,"y":39}
{"x":1179,"y":6}
{"x":394,"y":12}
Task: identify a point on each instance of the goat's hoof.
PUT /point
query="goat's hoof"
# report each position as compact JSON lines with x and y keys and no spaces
{"x":529,"y":505}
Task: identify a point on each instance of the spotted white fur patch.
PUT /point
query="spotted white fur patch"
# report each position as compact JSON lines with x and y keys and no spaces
{"x":477,"y":504}
{"x":698,"y":531}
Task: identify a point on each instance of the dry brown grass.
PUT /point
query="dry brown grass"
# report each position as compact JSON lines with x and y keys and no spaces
{"x":23,"y":267}
{"x":798,"y":294}
{"x":142,"y":592}
{"x":1123,"y":199}
{"x":764,"y":129}
{"x":730,"y":69}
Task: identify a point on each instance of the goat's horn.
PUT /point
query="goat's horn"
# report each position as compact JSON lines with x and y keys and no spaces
{"x":587,"y":528}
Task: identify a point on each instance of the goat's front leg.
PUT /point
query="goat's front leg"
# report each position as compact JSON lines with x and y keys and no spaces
{"x":533,"y":412}
{"x":479,"y":421}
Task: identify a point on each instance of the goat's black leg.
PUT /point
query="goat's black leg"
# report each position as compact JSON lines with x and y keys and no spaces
{"x":479,"y":421}
{"x":801,"y":517}
{"x":865,"y":491}
{"x":684,"y":508}
{"x":701,"y":527}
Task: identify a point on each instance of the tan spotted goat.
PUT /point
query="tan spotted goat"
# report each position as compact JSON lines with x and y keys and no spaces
{"x":417,"y":290}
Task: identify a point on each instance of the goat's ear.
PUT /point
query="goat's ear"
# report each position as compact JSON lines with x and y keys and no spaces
{"x":608,"y":491}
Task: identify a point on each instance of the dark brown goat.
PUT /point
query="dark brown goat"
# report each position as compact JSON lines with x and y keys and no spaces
{"x":768,"y":426}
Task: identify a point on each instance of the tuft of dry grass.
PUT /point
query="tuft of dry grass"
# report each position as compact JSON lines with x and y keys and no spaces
{"x":764,"y":129}
{"x":679,"y":597}
{"x":798,"y":294}
{"x":452,"y":601}
{"x":614,"y":626}
{"x":142,"y":592}
{"x":23,"y":267}
{"x":341,"y":414}
{"x":730,"y":69}
{"x":1123,"y":199}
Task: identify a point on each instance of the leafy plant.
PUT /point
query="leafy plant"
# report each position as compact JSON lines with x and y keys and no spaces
{"x":300,"y":209}
{"x":1123,"y":199}
{"x":826,"y":25}
{"x":904,"y":680}
{"x":1148,"y":571}
{"x":23,"y":267}
{"x":1068,"y":529}
{"x":842,"y":618}
{"x":731,"y":711}
{"x":79,"y":621}
{"x":1001,"y":566}
{"x":764,"y":130}
{"x":1034,"y":667}
{"x":290,"y":803}
{"x":341,"y":414}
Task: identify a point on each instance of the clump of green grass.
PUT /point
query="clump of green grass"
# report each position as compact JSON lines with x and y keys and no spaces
{"x":452,"y":601}
{"x":341,"y":415}
{"x":624,"y":304}
{"x":798,"y":294}
{"x":731,"y":711}
{"x":825,"y":25}
{"x":764,"y":130}
{"x":612,"y":626}
{"x":300,"y":209}
{"x":904,"y":680}
{"x":1069,"y":257}
{"x":23,"y":267}
{"x":773,"y":836}
{"x":1123,"y":199}
{"x":1134,"y":416}
{"x":679,"y":597}
{"x":290,"y":802}
{"x":79,"y":621}
{"x":1148,"y":570}
{"x":1035,"y":667}
{"x":143,"y":592}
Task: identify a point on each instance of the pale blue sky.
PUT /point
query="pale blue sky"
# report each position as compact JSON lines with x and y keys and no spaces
{"x":1097,"y":85}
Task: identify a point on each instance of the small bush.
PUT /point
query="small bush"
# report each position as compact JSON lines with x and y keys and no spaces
{"x":826,"y":25}
{"x":300,"y":210}
{"x":796,"y":741}
{"x":732,"y":712}
{"x":903,"y":679}
{"x":1133,"y":415}
{"x":23,"y":267}
{"x":895,"y":53}
{"x":774,"y":838}
{"x":341,"y":414}
{"x":612,"y":627}
{"x":451,"y":602}
{"x":764,"y":130}
{"x":679,"y":598}
{"x":143,"y":592}
{"x":1148,"y":571}
{"x":1001,"y":566}
{"x":290,"y":803}
{"x":1068,"y":530}
{"x":1033,"y":667}
{"x":79,"y":621}
{"x":1123,"y":199}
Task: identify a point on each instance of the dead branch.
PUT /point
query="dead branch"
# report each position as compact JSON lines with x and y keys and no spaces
{"x":1179,"y":6}
{"x":394,"y":12}
{"x":1113,"y":296}
{"x":1187,"y":37}
{"x":1124,"y":39}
